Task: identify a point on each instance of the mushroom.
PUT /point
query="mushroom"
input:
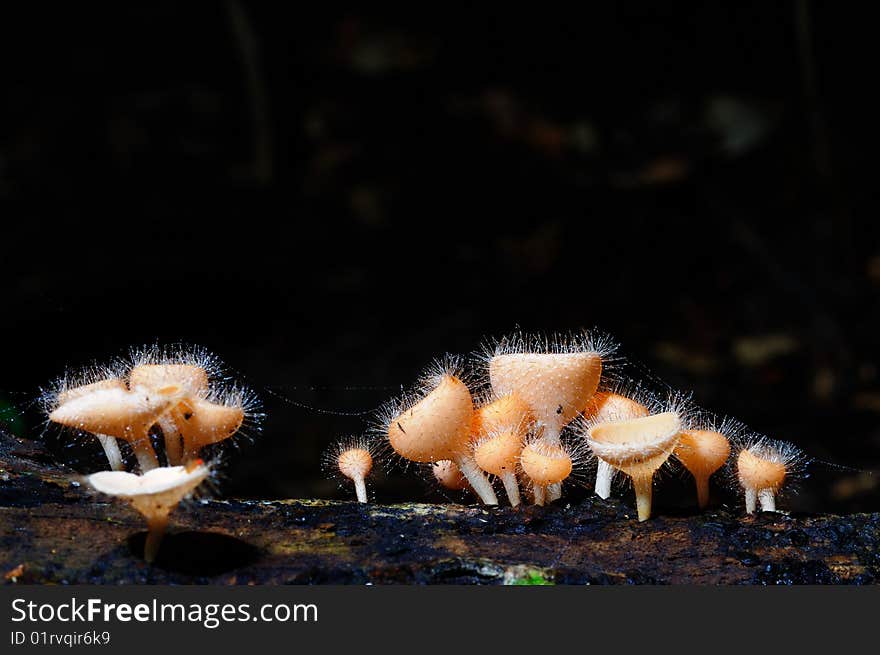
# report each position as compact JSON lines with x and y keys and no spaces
{"x":113,"y":411}
{"x":638,"y":447}
{"x":437,"y":426}
{"x":763,"y":466}
{"x":556,"y":382}
{"x":193,"y":379}
{"x":545,"y":464}
{"x":352,"y":458}
{"x":447,"y":473}
{"x":703,"y":451}
{"x":108,"y":443}
{"x":199,"y":419}
{"x":154,"y":494}
{"x":499,"y":430}
{"x":608,"y":407}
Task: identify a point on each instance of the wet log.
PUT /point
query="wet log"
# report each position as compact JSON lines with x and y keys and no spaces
{"x":52,"y":530}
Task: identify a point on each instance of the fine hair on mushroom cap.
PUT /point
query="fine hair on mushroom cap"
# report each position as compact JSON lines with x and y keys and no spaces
{"x":764,"y":468}
{"x":434,"y":423}
{"x":74,"y":384}
{"x":617,"y":400}
{"x":641,"y":446}
{"x":114,"y":411}
{"x":705,"y":447}
{"x":155,"y":494}
{"x":543,"y":463}
{"x":351,"y":460}
{"x":556,"y":375}
{"x":214,"y":408}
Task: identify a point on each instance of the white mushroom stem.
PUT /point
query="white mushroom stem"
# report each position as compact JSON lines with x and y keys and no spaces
{"x":111,"y":449}
{"x":145,"y":454}
{"x":155,"y":531}
{"x":644,"y":490}
{"x":553,"y":491}
{"x":360,"y":489}
{"x":479,"y":483}
{"x":767,"y":499}
{"x":539,"y":494}
{"x":604,"y":477}
{"x":751,"y":501}
{"x":173,"y":440}
{"x":511,"y":486}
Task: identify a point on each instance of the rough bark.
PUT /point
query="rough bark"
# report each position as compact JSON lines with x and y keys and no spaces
{"x":52,"y":530}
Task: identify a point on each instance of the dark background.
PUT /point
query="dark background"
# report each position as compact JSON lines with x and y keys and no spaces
{"x":329,"y":199}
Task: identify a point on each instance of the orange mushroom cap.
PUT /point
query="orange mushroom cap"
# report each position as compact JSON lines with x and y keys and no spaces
{"x":544,"y":463}
{"x":756,"y":472}
{"x":556,"y":386}
{"x":436,"y":427}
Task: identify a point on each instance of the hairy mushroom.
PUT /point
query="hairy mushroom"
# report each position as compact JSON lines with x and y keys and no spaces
{"x":448,"y":475}
{"x":155,"y":494}
{"x":205,"y":414}
{"x":762,"y":467}
{"x":703,"y":450}
{"x":608,"y":407}
{"x":437,"y":426}
{"x":108,"y":443}
{"x":638,"y":447}
{"x":116,"y":412}
{"x":352,"y":458}
{"x":555,"y":378}
{"x":192,"y":379}
{"x":545,"y":464}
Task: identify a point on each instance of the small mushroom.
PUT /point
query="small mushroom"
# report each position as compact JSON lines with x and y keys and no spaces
{"x":447,"y":473}
{"x":196,"y":421}
{"x":352,"y":458}
{"x":763,"y":466}
{"x":704,"y":451}
{"x":438,"y":426}
{"x":191,"y":378}
{"x":555,"y":380}
{"x":608,"y":407}
{"x":108,"y":443}
{"x":638,"y":447}
{"x":499,"y":430}
{"x":545,"y":464}
{"x":114,"y":411}
{"x":154,"y":494}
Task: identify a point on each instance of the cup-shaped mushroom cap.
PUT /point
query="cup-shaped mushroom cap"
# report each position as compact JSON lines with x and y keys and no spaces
{"x":498,"y":452}
{"x":609,"y":406}
{"x":702,"y":451}
{"x":756,"y":472}
{"x":509,"y":413}
{"x":355,"y":463}
{"x":154,"y":493}
{"x":193,"y":379}
{"x":436,"y":427}
{"x":204,"y":422}
{"x":556,"y":386}
{"x":78,"y":392}
{"x":545,"y":463}
{"x":638,"y":446}
{"x":116,"y":412}
{"x":448,"y":474}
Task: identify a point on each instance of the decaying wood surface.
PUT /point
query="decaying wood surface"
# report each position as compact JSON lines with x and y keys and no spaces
{"x":52,"y":530}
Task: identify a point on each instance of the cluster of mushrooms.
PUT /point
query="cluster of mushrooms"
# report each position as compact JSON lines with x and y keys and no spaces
{"x":179,"y":396}
{"x":534,"y":414}
{"x":536,"y":411}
